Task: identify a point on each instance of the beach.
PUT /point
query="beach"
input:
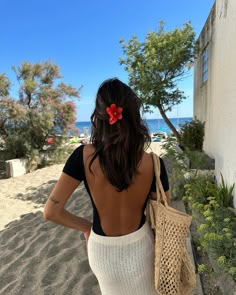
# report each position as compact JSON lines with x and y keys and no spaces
{"x":38,"y":257}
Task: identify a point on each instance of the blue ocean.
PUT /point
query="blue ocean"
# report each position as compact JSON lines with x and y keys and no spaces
{"x":154,"y":125}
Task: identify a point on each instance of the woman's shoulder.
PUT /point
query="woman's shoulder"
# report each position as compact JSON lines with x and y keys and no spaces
{"x":88,"y":153}
{"x":89,"y":149}
{"x":146,"y":156}
{"x":146,"y":161}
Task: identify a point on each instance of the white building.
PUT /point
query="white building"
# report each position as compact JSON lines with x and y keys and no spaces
{"x":215,"y":88}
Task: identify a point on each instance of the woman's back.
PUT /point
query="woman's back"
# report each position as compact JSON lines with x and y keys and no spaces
{"x":120,"y":212}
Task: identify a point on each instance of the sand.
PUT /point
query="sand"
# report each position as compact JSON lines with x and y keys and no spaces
{"x":38,"y":257}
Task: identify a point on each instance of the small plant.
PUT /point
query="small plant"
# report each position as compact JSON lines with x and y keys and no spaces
{"x":198,"y":189}
{"x":202,"y":268}
{"x":225,"y":195}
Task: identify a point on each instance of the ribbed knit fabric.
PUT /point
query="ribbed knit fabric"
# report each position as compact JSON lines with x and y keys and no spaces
{"x":124,"y":265}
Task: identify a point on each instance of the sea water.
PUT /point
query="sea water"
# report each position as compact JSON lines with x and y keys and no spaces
{"x":154,"y":125}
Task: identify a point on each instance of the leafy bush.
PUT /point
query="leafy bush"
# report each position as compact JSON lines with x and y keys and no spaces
{"x":192,"y":135}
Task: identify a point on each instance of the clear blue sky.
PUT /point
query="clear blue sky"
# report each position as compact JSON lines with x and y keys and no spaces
{"x":82,"y":37}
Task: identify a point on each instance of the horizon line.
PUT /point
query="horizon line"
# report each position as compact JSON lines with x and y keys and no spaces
{"x":150,"y":119}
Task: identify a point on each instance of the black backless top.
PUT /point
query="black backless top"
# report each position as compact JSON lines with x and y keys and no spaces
{"x":74,"y":167}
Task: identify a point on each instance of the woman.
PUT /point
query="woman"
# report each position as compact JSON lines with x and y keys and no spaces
{"x":119,"y":177}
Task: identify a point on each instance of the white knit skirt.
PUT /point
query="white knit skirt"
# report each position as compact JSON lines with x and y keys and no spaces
{"x":124,"y":265}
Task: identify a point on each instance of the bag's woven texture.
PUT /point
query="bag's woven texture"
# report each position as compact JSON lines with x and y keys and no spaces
{"x":187,"y":275}
{"x":174,"y":273}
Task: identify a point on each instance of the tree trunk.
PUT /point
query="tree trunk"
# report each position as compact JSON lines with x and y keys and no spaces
{"x":168,"y":122}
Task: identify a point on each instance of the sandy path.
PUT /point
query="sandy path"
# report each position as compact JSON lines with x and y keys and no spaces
{"x":24,"y":194}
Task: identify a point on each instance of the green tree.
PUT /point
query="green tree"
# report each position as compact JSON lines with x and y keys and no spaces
{"x":43,"y":109}
{"x":157,"y":64}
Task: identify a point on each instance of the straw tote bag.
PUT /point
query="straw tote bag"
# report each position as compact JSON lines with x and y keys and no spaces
{"x":174,"y":272}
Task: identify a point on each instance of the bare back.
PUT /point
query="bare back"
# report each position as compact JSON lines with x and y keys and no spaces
{"x":120,"y":212}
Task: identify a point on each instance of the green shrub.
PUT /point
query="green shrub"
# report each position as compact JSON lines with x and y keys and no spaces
{"x":15,"y":146}
{"x":192,"y":135}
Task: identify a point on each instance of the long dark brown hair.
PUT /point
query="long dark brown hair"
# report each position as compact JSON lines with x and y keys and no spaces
{"x":119,"y":146}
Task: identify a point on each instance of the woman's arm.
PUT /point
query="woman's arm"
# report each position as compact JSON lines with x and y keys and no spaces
{"x":54,"y":208}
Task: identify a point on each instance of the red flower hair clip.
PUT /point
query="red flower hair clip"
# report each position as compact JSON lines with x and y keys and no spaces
{"x":115,"y":113}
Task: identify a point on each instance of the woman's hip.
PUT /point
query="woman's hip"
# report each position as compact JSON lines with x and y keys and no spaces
{"x":124,"y":254}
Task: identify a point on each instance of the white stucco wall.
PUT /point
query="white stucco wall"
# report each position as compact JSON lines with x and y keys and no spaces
{"x":215,"y":101}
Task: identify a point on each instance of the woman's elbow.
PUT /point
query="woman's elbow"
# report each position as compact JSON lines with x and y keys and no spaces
{"x":49,"y":213}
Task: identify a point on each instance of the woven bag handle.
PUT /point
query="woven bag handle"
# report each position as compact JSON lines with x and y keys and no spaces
{"x":159,"y":188}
